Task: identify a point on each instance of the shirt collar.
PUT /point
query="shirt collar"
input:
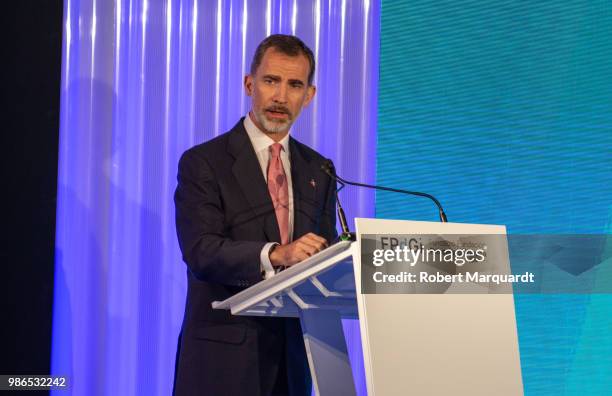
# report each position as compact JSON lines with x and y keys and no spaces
{"x":260,"y":140}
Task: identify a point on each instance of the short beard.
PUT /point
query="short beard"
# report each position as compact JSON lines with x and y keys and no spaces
{"x":271,"y":126}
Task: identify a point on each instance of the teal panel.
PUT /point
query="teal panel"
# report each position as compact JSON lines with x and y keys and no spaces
{"x":503,"y":110}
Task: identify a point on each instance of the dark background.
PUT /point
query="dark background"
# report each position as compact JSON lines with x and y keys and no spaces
{"x":31,"y":73}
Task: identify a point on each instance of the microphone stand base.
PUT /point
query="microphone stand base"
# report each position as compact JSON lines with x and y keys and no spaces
{"x":347,"y":236}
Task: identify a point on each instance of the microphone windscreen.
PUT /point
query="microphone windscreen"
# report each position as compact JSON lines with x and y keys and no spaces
{"x":327,"y":166}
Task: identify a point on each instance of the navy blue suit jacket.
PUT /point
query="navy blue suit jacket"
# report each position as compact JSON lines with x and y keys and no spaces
{"x":224,"y":217}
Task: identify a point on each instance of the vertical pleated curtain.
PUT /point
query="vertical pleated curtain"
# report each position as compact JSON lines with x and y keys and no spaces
{"x":142,"y":82}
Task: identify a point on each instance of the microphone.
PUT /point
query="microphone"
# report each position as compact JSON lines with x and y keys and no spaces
{"x":328,"y":168}
{"x":347,"y":235}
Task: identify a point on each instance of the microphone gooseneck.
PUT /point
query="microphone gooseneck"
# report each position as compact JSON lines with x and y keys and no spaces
{"x":346,"y":235}
{"x":328,"y":168}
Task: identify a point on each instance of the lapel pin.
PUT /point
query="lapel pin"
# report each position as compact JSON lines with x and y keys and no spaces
{"x":313,"y":183}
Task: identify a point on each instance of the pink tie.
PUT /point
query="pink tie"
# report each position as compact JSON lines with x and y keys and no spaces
{"x":279,"y":192}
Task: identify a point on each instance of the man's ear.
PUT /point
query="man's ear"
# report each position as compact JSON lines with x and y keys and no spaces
{"x":311,"y":91}
{"x":248,"y":84}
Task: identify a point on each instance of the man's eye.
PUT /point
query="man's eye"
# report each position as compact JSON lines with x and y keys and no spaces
{"x":296,"y":85}
{"x":268,"y":80}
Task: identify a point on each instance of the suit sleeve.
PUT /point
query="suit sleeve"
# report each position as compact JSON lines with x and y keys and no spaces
{"x":200,"y":223}
{"x":328,"y":228}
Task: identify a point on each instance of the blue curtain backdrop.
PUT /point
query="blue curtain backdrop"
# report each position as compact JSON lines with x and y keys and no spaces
{"x":502,"y":110}
{"x":143,"y":81}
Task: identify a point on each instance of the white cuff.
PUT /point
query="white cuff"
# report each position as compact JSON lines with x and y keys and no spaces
{"x":264,"y":258}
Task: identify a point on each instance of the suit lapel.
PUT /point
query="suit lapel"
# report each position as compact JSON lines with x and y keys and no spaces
{"x":247,"y":171}
{"x":303,"y":191}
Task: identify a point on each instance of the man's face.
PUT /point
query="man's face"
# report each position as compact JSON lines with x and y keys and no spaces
{"x":279,"y":90}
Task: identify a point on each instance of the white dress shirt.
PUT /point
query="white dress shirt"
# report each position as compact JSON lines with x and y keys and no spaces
{"x":261,"y":143}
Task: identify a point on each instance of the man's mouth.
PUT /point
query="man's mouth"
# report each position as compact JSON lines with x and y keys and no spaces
{"x":277,"y":113}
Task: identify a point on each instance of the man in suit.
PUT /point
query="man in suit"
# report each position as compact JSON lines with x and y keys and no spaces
{"x":249,"y":203}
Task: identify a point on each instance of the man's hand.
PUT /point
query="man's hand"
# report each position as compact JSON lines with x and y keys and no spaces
{"x":298,"y":250}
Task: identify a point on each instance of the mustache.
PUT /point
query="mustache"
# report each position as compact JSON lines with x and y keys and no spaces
{"x":278,"y":109}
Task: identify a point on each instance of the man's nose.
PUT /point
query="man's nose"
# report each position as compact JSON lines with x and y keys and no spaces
{"x":280,"y":94}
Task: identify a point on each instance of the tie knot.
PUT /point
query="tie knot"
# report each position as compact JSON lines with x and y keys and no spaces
{"x":275,"y":149}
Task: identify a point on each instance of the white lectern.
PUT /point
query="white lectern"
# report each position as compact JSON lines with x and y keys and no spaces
{"x":413,"y":344}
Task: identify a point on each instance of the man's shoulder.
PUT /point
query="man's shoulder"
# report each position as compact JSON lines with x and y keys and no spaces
{"x":215,"y":147}
{"x":308,"y":153}
{"x":212,"y":146}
